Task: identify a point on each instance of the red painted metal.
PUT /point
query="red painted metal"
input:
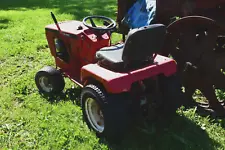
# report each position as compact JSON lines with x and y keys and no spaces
{"x":111,"y":80}
{"x":81,"y":42}
{"x":206,"y":4}
{"x":82,"y":45}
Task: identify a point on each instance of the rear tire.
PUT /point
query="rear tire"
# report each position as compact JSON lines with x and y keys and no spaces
{"x":49,"y":80}
{"x":173,"y":96}
{"x":111,"y":118}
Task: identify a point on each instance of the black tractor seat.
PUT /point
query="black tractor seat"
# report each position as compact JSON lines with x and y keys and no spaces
{"x":138,"y":50}
{"x":111,"y":57}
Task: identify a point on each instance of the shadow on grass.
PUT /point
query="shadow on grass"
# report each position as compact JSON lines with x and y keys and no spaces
{"x":4,"y":23}
{"x":163,"y":134}
{"x":179,"y":133}
{"x":71,"y":94}
{"x":78,"y":8}
{"x":222,"y":123}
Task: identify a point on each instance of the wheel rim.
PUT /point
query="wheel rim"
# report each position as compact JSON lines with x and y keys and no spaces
{"x":45,"y":84}
{"x":94,"y":115}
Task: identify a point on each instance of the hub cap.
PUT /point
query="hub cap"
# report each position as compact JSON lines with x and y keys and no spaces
{"x":94,"y":115}
{"x":45,"y":84}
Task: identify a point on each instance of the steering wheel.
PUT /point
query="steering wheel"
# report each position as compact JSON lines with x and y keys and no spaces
{"x":109,"y":24}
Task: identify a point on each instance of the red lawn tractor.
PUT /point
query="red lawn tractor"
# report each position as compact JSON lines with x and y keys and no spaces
{"x":118,"y":81}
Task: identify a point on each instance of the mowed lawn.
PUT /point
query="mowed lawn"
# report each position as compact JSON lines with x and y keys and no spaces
{"x":29,"y":120}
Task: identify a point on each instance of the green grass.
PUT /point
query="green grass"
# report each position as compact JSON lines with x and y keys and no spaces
{"x":30,"y":121}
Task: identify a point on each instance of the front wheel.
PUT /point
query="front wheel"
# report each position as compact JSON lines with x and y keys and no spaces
{"x":49,"y":80}
{"x":107,"y":115}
